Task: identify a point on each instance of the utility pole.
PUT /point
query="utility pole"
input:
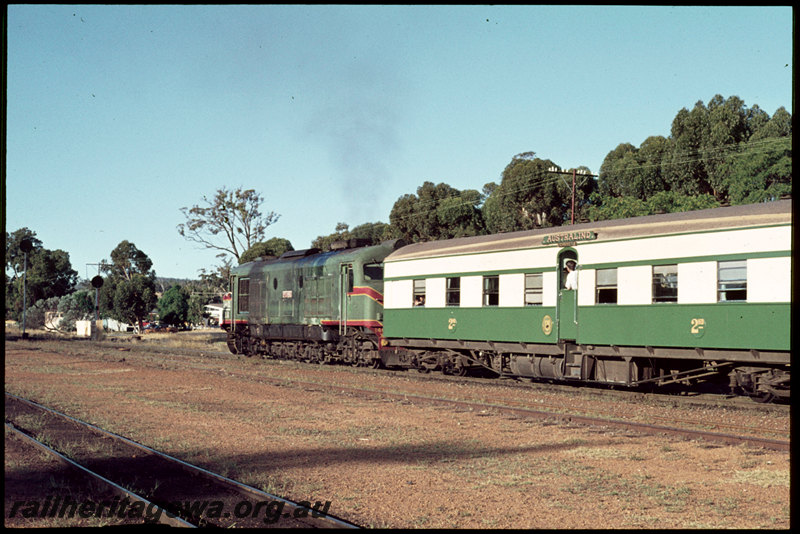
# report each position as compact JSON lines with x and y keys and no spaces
{"x":26,"y":245}
{"x":573,"y":172}
{"x":572,"y":216}
{"x":97,"y":283}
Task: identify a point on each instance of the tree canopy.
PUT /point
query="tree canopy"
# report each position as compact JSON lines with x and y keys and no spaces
{"x":717,"y":154}
{"x":127,"y":260}
{"x":437,"y":212}
{"x":14,"y":253}
{"x":129,"y":292}
{"x":724,"y":149}
{"x":531,"y":196}
{"x":49,"y":274}
{"x":370,"y":233}
{"x":231,"y":222}
{"x":270,"y":248}
{"x":173,"y":306}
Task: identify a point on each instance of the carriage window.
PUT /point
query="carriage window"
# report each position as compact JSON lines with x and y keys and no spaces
{"x":533,"y":289}
{"x":732,"y":281}
{"x":491,"y":290}
{"x":244,"y":297}
{"x":606,"y":286}
{"x":419,"y":293}
{"x":373,"y":271}
{"x":665,"y":283}
{"x":453,"y":291}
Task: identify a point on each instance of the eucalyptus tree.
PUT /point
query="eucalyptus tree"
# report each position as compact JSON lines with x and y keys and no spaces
{"x":129,"y":290}
{"x":708,"y":141}
{"x":634,"y":172}
{"x":371,"y":233}
{"x":727,"y":129}
{"x":763,"y":170}
{"x":173,"y":306}
{"x":271,"y":247}
{"x":49,"y":272}
{"x":684,"y":171}
{"x":437,"y":211}
{"x":530,"y":195}
{"x":231,"y":222}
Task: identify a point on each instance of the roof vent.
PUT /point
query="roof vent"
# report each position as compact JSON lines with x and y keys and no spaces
{"x":354,"y":242}
{"x":394,"y":244}
{"x":299,"y":253}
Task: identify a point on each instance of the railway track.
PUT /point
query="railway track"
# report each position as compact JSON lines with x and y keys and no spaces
{"x":65,"y":507}
{"x":678,"y":397}
{"x":607,"y":419}
{"x":160,"y":487}
{"x":620,"y":418}
{"x":626,"y":401}
{"x":647,"y":413}
{"x":593,"y":410}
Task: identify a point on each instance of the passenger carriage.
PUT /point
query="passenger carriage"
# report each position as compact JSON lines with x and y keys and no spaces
{"x":660,"y":299}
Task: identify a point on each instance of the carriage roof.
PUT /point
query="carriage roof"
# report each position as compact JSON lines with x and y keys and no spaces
{"x":709,"y":220}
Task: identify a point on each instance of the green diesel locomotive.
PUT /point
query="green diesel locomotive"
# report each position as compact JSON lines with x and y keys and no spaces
{"x":324,"y":307}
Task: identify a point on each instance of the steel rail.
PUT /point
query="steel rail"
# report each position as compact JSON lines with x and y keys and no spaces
{"x":708,"y":435}
{"x":672,"y":378}
{"x":540,"y":382}
{"x":731,"y":439}
{"x":666,"y":429}
{"x":491,"y":383}
{"x":163,"y":516}
{"x":771,"y":443}
{"x":325,"y":520}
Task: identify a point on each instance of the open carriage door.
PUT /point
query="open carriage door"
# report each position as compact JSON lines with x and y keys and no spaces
{"x":567,"y":303}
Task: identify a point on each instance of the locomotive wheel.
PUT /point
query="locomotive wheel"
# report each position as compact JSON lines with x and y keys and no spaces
{"x":460,"y":370}
{"x":763,"y":397}
{"x":232,"y":344}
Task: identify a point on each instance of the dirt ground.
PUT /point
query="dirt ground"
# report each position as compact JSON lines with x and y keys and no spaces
{"x":398,"y":464}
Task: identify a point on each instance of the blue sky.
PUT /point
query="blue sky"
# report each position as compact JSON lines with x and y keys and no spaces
{"x":119,"y":116}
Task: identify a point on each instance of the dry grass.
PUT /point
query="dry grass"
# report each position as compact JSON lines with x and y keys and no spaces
{"x":763,"y":477}
{"x":189,"y":339}
{"x":192,"y":338}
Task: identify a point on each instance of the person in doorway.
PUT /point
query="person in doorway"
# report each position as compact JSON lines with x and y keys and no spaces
{"x":571,"y":281}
